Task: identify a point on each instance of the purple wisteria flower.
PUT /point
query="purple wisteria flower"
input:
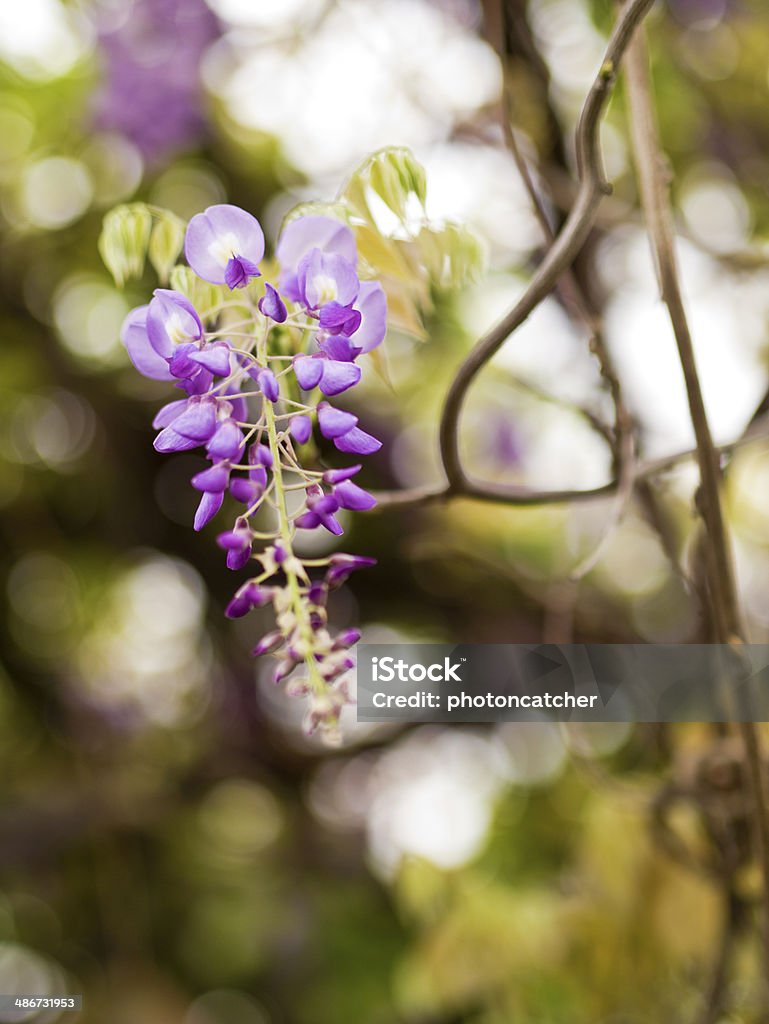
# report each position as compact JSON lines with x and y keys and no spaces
{"x":304,"y":234}
{"x":166,"y":341}
{"x":239,"y":408}
{"x":224,"y":245}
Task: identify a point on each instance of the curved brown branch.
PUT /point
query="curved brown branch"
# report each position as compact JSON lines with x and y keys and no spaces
{"x":593,"y":186}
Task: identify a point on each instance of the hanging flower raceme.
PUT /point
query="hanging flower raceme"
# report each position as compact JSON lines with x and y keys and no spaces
{"x":256,"y":374}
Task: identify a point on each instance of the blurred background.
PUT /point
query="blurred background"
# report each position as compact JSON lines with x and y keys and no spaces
{"x":171,"y":845}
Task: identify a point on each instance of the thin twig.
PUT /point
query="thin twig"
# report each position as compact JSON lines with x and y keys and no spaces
{"x":520,"y":496}
{"x":593,"y":186}
{"x":653,"y":187}
{"x":622,"y":442}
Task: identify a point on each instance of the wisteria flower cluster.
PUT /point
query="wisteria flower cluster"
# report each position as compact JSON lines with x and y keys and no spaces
{"x":257,"y":393}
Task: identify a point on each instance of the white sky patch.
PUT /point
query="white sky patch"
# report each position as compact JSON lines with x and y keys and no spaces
{"x":374,"y":73}
{"x":40,"y":38}
{"x":727,"y":317}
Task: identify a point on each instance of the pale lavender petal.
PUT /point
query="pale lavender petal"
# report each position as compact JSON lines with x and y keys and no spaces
{"x":308,"y":371}
{"x":169,"y":412}
{"x":338,"y":377}
{"x":357,"y":442}
{"x":372,"y":304}
{"x":216,"y":235}
{"x":327,"y":278}
{"x":305,"y":233}
{"x":198,"y":421}
{"x":134,"y":336}
{"x":215,"y":358}
{"x":171,"y":321}
{"x":226,"y":442}
{"x":169,"y":441}
{"x":209,"y":505}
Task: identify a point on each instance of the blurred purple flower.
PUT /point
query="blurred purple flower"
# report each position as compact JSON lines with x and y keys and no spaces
{"x":150,"y":92}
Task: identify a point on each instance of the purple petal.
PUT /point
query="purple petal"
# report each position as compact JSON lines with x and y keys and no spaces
{"x":169,"y":441}
{"x":169,"y":413}
{"x":307,"y":521}
{"x":308,"y":370}
{"x":357,"y":442}
{"x":134,"y":336}
{"x":336,"y":476}
{"x":259,"y":475}
{"x":171,"y":321}
{"x":347,"y":638}
{"x":341,"y":565}
{"x":218,"y":234}
{"x":237,"y":559}
{"x":198,"y":421}
{"x":268,"y":385}
{"x":239,"y":272}
{"x":372,"y":304}
{"x":268,"y":643}
{"x":250,"y":596}
{"x":338,"y":377}
{"x":305,"y":233}
{"x":244,"y":490}
{"x":180,"y":364}
{"x":215,"y":358}
{"x":234,"y":540}
{"x":324,"y":278}
{"x":352,"y":497}
{"x":339,"y":348}
{"x":209,"y":505}
{"x":214,"y":479}
{"x":301,"y":429}
{"x":199,"y":383}
{"x":332,"y":524}
{"x":334,"y":422}
{"x":260,"y":455}
{"x":237,"y":403}
{"x":322,"y":504}
{"x":338,"y":319}
{"x":272,"y":305}
{"x":226,"y":442}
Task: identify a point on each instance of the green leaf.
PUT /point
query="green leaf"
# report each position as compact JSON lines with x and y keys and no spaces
{"x":166,"y":243}
{"x":394,"y":175}
{"x":124,"y":239}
